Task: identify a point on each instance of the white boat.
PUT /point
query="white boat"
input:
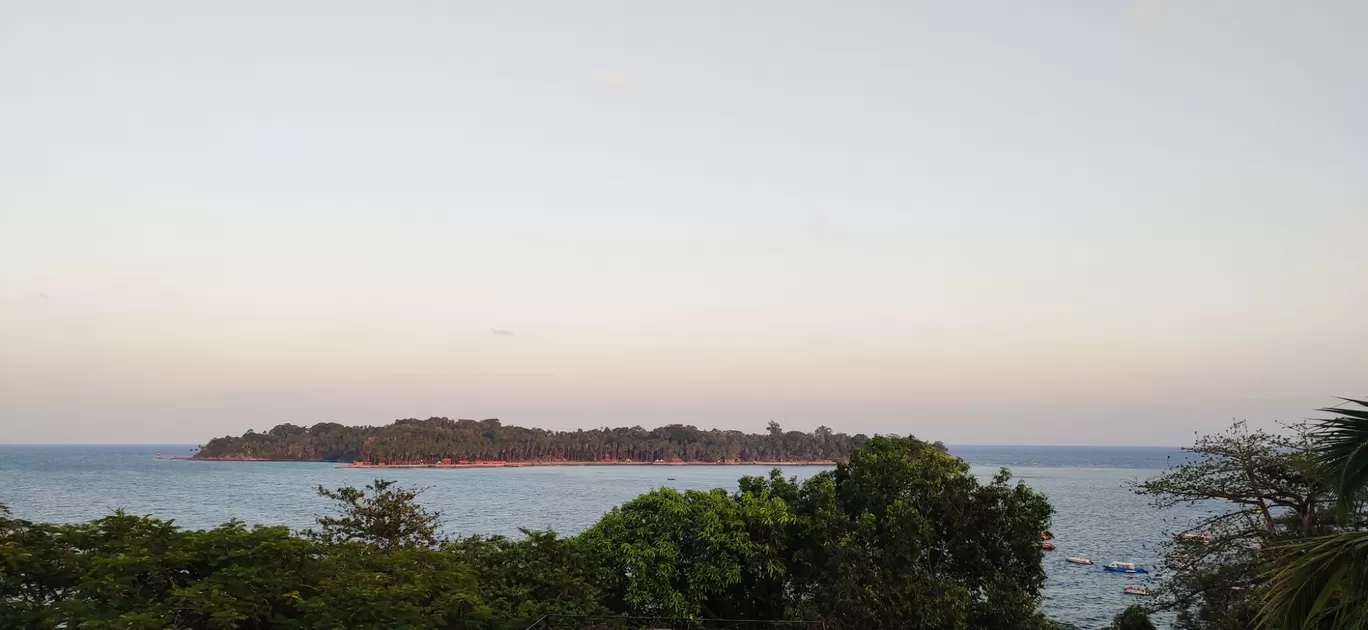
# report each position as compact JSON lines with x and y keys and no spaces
{"x":1123,"y":567}
{"x":1137,"y":590}
{"x":1078,"y":559}
{"x":1200,"y":537}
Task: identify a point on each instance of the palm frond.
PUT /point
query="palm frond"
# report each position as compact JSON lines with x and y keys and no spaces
{"x":1320,"y":584}
{"x":1343,"y":445}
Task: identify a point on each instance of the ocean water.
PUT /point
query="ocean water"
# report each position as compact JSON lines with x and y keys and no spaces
{"x":1096,"y":514}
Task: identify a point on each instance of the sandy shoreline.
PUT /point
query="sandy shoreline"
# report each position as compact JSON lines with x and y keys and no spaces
{"x":509,"y":464}
{"x":529,"y":464}
{"x":247,"y":459}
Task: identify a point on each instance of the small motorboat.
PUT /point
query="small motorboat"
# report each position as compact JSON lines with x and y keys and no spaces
{"x":1078,"y":559}
{"x":1123,"y":567}
{"x":1136,"y":590}
{"x":1047,"y":546}
{"x":1200,"y":537}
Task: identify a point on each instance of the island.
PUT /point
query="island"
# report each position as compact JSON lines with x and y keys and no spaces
{"x":442,"y":442}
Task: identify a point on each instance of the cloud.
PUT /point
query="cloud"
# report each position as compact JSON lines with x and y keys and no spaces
{"x":42,"y":296}
{"x":613,"y":80}
{"x":502,"y":332}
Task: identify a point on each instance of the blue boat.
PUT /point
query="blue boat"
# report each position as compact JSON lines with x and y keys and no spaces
{"x":1123,"y":567}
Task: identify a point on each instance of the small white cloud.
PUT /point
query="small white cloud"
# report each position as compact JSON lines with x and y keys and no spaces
{"x":502,"y":332}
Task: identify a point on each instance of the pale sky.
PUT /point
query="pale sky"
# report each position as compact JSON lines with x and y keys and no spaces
{"x":980,"y":222}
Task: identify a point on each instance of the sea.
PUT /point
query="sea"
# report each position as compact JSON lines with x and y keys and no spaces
{"x":1097,"y":514}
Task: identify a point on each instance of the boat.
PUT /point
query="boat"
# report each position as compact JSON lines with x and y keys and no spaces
{"x":1047,"y":546}
{"x":1123,"y":567}
{"x":158,"y":454}
{"x":1200,"y":537}
{"x":1136,"y":590}
{"x":1046,"y":535}
{"x":1078,"y":559}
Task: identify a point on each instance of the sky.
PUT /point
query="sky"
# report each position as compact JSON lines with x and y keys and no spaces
{"x":1001,"y":222}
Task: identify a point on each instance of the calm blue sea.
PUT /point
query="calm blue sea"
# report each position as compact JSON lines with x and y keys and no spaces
{"x":1096,"y":513}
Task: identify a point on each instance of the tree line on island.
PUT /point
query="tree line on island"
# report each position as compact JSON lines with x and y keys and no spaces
{"x":414,"y":441}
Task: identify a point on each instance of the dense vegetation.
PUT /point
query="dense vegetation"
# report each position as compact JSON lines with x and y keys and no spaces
{"x":1286,"y":543}
{"x":1322,"y":581}
{"x":1132,"y":618}
{"x":901,"y":536}
{"x":411,"y":441}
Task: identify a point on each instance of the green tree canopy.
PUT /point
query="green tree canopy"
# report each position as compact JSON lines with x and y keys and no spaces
{"x":1132,"y":618}
{"x":1278,"y":549}
{"x":1322,"y":582}
{"x":900,"y":537}
{"x":384,"y":514}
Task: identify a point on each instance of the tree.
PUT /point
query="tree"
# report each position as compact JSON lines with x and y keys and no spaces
{"x":39,"y":572}
{"x":1322,"y":582}
{"x":1281,"y":555}
{"x":1132,"y":618}
{"x":142,"y":573}
{"x":903,"y":536}
{"x":390,"y":517}
{"x":362,"y":587}
{"x":539,"y":574}
{"x":1273,"y":491}
{"x":689,"y":554}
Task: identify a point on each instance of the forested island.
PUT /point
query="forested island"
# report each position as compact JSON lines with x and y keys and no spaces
{"x":441,"y":440}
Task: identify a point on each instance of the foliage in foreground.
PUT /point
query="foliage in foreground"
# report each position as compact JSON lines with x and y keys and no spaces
{"x":1132,"y":618}
{"x":1322,"y":581}
{"x":900,"y":537}
{"x":1284,"y":544}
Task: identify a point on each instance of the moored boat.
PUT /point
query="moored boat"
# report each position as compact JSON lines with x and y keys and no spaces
{"x":1078,"y":559}
{"x":1123,"y":567}
{"x":1047,"y":546}
{"x":1200,"y":537}
{"x":1137,"y":590}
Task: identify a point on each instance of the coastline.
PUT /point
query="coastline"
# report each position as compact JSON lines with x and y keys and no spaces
{"x":247,"y":459}
{"x":508,"y":465}
{"x":590,"y":463}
